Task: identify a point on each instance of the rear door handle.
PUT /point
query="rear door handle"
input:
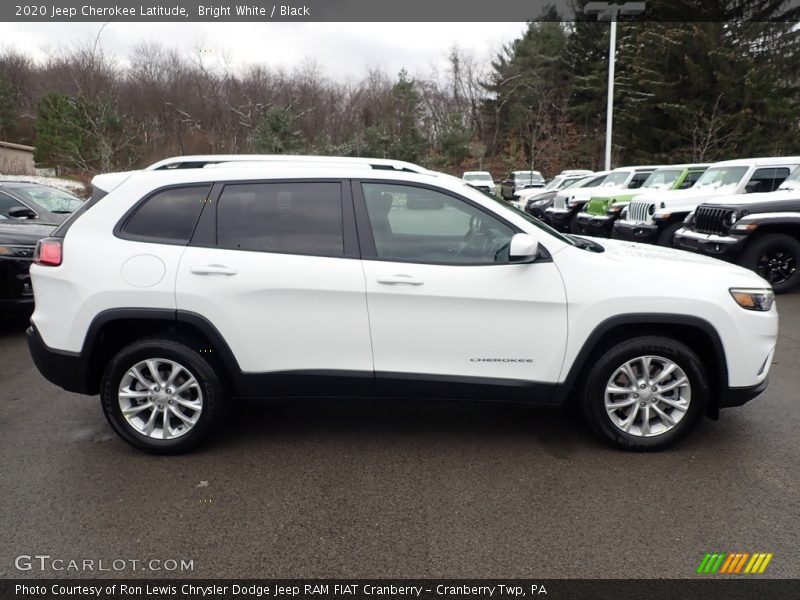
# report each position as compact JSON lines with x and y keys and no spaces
{"x":399,"y":278}
{"x":213,"y":270}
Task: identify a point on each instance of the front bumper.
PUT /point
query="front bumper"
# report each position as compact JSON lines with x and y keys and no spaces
{"x":559,"y":218}
{"x":737,"y":396}
{"x":16,"y":293}
{"x":720,"y":246}
{"x":636,"y":232}
{"x":67,"y":370}
{"x":596,"y":225}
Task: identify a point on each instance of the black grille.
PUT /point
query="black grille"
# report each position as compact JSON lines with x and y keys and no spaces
{"x":712,"y":220}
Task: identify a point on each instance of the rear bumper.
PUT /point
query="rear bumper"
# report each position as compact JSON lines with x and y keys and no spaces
{"x":67,"y":370}
{"x":636,"y":232}
{"x":596,"y":225}
{"x":721,"y":246}
{"x":737,"y":396}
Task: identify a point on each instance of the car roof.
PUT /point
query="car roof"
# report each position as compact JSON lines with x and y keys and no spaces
{"x":763,"y":161}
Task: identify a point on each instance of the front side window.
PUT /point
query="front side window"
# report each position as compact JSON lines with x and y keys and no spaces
{"x":690,"y":179}
{"x":287,"y":218}
{"x":421,"y":225}
{"x":168,"y":216}
{"x":637,"y":180}
{"x":767,"y":180}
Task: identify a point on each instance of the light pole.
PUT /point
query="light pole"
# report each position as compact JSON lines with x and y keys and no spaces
{"x":610,"y":12}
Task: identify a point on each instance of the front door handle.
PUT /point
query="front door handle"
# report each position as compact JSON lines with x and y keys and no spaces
{"x":213,"y":270}
{"x":399,"y":278}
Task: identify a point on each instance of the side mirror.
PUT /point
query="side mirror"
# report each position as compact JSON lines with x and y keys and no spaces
{"x":21,"y":212}
{"x":523,"y":248}
{"x":752,"y":187}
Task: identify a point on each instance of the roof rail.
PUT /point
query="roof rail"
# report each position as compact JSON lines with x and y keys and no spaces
{"x":202,"y":160}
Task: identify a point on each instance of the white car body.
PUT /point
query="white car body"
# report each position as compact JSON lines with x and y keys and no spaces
{"x":480,"y":179}
{"x":558,"y":182}
{"x":406,"y":321}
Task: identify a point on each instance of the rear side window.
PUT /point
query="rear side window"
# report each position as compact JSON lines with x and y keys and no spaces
{"x":287,"y":218}
{"x":167,"y":216}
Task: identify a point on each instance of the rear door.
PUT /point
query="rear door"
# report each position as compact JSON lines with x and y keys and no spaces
{"x":274,"y":266}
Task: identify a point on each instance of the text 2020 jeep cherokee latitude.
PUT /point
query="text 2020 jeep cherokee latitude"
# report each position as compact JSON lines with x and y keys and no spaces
{"x":279,"y":277}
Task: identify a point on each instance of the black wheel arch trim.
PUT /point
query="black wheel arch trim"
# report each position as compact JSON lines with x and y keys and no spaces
{"x":595,"y":339}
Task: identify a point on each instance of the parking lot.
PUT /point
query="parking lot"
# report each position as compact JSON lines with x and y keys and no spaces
{"x":361,"y":489}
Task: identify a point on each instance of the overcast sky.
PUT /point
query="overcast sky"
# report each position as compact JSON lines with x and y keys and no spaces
{"x":342,"y":50}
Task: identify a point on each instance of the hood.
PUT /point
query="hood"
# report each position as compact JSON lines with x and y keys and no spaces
{"x":648,"y":254}
{"x":22,"y":233}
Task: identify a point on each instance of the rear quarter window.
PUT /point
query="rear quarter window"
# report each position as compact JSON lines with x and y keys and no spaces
{"x":168,"y":216}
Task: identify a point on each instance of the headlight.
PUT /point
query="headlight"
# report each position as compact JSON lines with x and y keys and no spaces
{"x":732,"y":218}
{"x":753,"y":299}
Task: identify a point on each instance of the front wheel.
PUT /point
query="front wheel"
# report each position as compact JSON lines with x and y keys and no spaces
{"x":160,"y":396}
{"x":774,"y":257}
{"x":645,"y":393}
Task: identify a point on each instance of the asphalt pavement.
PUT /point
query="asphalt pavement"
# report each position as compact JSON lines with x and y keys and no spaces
{"x":401,"y":489}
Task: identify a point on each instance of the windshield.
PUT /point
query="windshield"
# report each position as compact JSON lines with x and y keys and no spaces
{"x":50,"y":199}
{"x":662,"y":179}
{"x":792,"y":182}
{"x":616,"y":178}
{"x":554,"y":184}
{"x":477,"y":177}
{"x":719,"y":177}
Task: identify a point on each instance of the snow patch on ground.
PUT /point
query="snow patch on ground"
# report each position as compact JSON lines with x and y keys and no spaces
{"x":68,"y":185}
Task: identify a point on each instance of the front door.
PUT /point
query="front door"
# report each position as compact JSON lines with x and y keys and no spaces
{"x":449,"y":314}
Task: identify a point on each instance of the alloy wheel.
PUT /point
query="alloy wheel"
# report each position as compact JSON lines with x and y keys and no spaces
{"x":647,"y":396}
{"x":160,"y":398}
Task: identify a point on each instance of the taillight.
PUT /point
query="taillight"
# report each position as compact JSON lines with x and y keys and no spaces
{"x":48,"y":252}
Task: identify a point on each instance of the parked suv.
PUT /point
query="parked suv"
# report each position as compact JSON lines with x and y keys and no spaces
{"x":758,"y":231}
{"x":563,"y":215}
{"x":520,"y":180}
{"x":21,"y":200}
{"x":481,"y":180}
{"x":602,"y":211}
{"x":281,"y":279}
{"x":655,"y":217}
{"x":28,"y":213}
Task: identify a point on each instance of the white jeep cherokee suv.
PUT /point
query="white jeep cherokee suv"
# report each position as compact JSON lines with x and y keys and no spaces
{"x":174,"y":290}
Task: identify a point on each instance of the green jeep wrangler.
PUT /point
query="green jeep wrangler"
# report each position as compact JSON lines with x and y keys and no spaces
{"x":601,"y":211}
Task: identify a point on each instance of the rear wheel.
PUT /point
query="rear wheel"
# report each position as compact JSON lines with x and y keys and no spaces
{"x":774,"y":257}
{"x":665,"y":238}
{"x":645,"y":393}
{"x":160,"y":396}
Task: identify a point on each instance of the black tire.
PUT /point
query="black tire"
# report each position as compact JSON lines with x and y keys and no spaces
{"x":593,"y":396}
{"x":774,"y":245}
{"x":215,"y":401}
{"x":665,"y":238}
